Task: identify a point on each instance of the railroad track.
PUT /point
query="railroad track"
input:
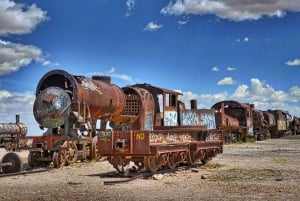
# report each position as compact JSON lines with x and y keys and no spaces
{"x":25,"y":172}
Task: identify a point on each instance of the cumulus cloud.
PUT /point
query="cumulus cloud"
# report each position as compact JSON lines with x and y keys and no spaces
{"x":226,"y":81}
{"x":130,"y":4}
{"x":112,"y":73}
{"x":229,"y":68}
{"x":180,"y":22}
{"x":14,"y":56}
{"x":17,"y":18}
{"x":203,"y":100}
{"x":151,"y":26}
{"x":235,"y":10}
{"x":215,"y":68}
{"x":259,"y":93}
{"x":295,"y":62}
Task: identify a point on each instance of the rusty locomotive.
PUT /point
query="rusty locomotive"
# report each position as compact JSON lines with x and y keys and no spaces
{"x":10,"y":134}
{"x":141,"y":123}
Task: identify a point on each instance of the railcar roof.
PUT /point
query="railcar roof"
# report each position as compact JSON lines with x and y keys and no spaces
{"x":157,"y":90}
{"x":231,"y":103}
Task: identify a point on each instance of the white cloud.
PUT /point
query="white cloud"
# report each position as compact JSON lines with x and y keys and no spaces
{"x":151,"y":26}
{"x":112,"y":70}
{"x":203,"y":100}
{"x":17,"y":18}
{"x":14,"y":56}
{"x":295,"y":62}
{"x":235,"y":10}
{"x":182,"y":22}
{"x":130,"y":6}
{"x":262,"y":95}
{"x":215,"y":68}
{"x":226,"y":81}
{"x":246,"y":39}
{"x":231,"y":68}
{"x":112,"y":73}
{"x":12,"y":104}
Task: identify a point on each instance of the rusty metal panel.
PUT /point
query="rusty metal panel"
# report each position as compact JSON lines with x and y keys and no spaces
{"x":48,"y":142}
{"x":105,"y":142}
{"x":140,"y":142}
{"x":123,"y":143}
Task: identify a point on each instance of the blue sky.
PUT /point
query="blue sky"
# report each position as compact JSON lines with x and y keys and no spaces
{"x":247,"y":51}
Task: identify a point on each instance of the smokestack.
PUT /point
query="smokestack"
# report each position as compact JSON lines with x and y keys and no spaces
{"x":106,"y":79}
{"x":17,"y":119}
{"x":193,"y":104}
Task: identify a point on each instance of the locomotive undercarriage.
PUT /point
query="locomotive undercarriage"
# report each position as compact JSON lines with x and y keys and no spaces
{"x":157,"y":155}
{"x":167,"y":159}
{"x":61,"y":150}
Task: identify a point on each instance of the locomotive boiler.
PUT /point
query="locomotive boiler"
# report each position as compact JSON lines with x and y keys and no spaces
{"x":147,"y":125}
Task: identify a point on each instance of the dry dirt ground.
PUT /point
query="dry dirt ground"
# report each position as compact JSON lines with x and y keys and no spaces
{"x":264,"y":170}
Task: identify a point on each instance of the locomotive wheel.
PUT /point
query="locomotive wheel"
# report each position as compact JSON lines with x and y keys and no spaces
{"x":11,"y":163}
{"x":151,"y":163}
{"x":32,"y":159}
{"x":172,"y":161}
{"x":95,"y":154}
{"x":119,"y":164}
{"x":59,"y":159}
{"x":72,"y":153}
{"x":8,"y":146}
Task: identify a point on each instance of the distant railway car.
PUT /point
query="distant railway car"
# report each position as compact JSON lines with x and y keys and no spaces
{"x":261,"y":126}
{"x":235,"y":119}
{"x":279,"y":122}
{"x":295,"y":125}
{"x":10,"y":134}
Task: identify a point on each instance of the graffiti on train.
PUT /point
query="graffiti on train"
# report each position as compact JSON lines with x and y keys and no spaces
{"x":192,"y":118}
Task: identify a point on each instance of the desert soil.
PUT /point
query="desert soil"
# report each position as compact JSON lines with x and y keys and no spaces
{"x":264,"y":170}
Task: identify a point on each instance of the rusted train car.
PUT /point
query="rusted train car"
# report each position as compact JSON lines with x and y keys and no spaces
{"x":279,"y":122}
{"x":235,"y":119}
{"x":10,"y":133}
{"x":143,"y":124}
{"x":261,"y":127}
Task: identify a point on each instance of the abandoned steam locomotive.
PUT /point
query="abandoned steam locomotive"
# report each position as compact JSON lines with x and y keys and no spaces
{"x":143,"y":124}
{"x":10,"y":134}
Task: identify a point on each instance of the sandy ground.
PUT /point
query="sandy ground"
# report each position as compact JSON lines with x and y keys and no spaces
{"x":264,"y":170}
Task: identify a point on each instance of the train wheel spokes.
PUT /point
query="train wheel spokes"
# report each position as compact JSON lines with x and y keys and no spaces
{"x":59,"y":159}
{"x":95,"y":154}
{"x":72,"y":153}
{"x":119,"y":163}
{"x":172,"y":161}
{"x":151,"y":163}
{"x":33,"y":159}
{"x":192,"y":158}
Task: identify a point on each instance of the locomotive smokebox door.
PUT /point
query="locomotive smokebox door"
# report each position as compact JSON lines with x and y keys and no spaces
{"x":52,"y":107}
